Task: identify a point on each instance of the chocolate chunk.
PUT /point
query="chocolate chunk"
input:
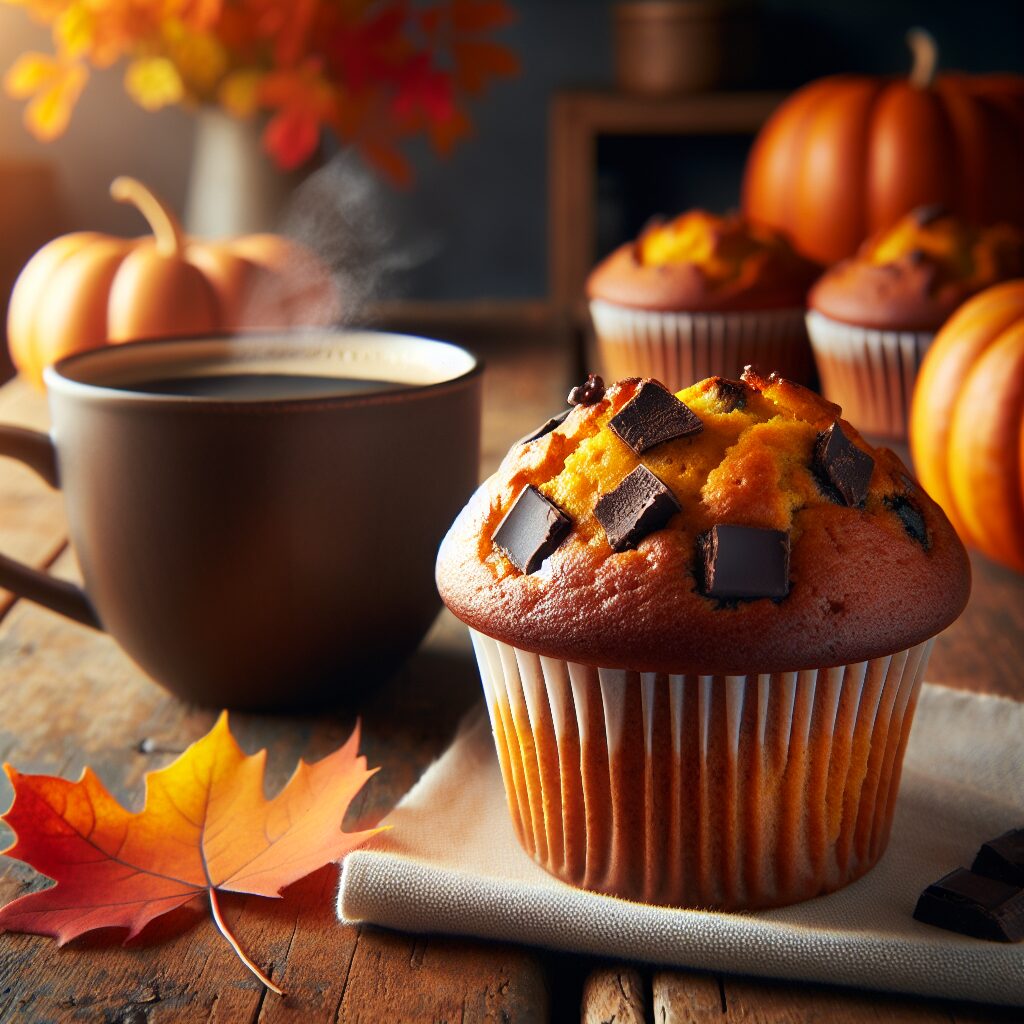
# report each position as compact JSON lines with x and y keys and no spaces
{"x":839,"y":461}
{"x":545,"y":428}
{"x":653,"y":416}
{"x":532,"y":528}
{"x":640,"y":505}
{"x":974,"y":905}
{"x":925,"y":215}
{"x":911,"y":517}
{"x":590,"y":392}
{"x":1002,"y":858}
{"x":744,"y":562}
{"x":732,"y":394}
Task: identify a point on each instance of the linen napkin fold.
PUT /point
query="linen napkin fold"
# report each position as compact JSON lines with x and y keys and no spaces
{"x":451,"y":863}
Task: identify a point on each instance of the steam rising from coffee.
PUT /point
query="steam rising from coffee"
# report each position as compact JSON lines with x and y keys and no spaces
{"x":349,"y":252}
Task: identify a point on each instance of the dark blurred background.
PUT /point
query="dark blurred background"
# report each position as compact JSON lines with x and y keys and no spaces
{"x":488,"y":203}
{"x":475,"y":227}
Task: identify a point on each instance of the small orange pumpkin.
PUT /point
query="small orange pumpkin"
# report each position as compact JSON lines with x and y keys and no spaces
{"x":967,"y":422}
{"x":848,"y":155}
{"x":86,"y":289}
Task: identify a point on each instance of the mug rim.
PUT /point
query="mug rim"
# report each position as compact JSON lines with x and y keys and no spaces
{"x":58,"y":382}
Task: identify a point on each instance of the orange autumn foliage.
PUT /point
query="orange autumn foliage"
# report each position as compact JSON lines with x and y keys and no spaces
{"x":206,"y":826}
{"x":967,"y":422}
{"x":372,"y":72}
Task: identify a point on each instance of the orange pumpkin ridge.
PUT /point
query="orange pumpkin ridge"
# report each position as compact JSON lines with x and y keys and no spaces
{"x":86,"y":289}
{"x":967,"y":422}
{"x":847,"y":156}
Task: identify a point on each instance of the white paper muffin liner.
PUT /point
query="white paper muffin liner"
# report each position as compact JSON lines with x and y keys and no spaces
{"x":733,"y":792}
{"x":870,"y":373}
{"x":680,"y":349}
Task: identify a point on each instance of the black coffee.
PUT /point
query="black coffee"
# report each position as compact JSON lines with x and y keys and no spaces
{"x":261,"y":386}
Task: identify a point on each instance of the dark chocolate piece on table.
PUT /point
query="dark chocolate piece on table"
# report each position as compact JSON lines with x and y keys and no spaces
{"x":590,"y":392}
{"x":640,"y":505}
{"x":974,"y":905}
{"x":911,"y":517}
{"x":839,"y":461}
{"x":532,"y":529}
{"x":653,"y":416}
{"x":545,"y":428}
{"x":1002,"y":858}
{"x":731,"y":393}
{"x":744,"y":562}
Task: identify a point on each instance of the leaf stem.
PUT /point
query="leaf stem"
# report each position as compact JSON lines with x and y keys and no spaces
{"x":240,"y":953}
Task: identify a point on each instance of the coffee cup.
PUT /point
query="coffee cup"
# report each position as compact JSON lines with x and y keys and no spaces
{"x":256,"y":518}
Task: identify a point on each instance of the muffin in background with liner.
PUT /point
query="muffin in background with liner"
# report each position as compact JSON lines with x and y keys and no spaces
{"x":872,"y":317}
{"x":700,"y":296}
{"x":701,"y":622}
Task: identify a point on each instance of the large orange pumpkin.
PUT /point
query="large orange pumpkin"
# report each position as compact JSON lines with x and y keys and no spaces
{"x":967,"y":422}
{"x":847,"y":156}
{"x":84,"y":290}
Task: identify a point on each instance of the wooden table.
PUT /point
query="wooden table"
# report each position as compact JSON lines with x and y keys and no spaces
{"x":69,"y":698}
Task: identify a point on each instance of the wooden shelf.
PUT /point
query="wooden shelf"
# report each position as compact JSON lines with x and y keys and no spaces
{"x":577,"y":119}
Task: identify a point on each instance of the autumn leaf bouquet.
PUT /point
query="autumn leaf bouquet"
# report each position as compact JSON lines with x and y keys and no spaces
{"x":373,"y":72}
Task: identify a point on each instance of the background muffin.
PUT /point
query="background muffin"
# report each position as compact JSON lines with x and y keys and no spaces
{"x":701,"y":659}
{"x":699,"y":296}
{"x":872,"y":317}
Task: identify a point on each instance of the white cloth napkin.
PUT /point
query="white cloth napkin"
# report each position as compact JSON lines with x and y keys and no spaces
{"x":451,"y":863}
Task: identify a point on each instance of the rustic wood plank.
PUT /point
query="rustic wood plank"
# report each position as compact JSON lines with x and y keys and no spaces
{"x":614,"y":995}
{"x":425,"y":978}
{"x":32,"y":524}
{"x":757,"y":1002}
{"x":984,"y":649}
{"x":684,"y":997}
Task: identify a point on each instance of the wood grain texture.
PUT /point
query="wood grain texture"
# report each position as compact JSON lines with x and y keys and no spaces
{"x":984,"y":649}
{"x":32,"y":526}
{"x":683,"y":997}
{"x":614,"y":995}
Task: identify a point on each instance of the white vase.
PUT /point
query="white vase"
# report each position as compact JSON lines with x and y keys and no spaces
{"x":234,"y":187}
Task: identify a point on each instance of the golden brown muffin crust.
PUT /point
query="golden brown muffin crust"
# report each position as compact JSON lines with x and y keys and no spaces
{"x":698,"y":262}
{"x":861,"y":585}
{"x":914,"y":275}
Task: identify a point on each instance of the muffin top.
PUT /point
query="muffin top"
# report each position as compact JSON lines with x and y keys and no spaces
{"x":740,"y":526}
{"x":700,"y":262}
{"x":913,"y":275}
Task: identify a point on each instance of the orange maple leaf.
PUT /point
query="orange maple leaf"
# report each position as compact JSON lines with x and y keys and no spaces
{"x":206,"y":826}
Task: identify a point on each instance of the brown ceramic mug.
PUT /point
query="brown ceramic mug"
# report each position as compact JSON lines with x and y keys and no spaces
{"x":257,"y":552}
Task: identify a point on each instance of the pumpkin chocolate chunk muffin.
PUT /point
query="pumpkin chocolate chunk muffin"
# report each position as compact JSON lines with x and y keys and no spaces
{"x":873,"y":317}
{"x":700,"y":295}
{"x":701,"y":621}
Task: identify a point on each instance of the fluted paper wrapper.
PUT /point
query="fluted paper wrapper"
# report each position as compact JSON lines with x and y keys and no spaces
{"x":732,"y":792}
{"x":870,"y":373}
{"x":680,"y":349}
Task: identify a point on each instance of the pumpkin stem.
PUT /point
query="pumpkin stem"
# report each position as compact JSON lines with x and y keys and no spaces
{"x":926,"y":57}
{"x":166,"y":228}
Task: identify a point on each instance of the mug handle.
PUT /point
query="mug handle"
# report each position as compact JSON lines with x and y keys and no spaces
{"x":37,"y":452}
